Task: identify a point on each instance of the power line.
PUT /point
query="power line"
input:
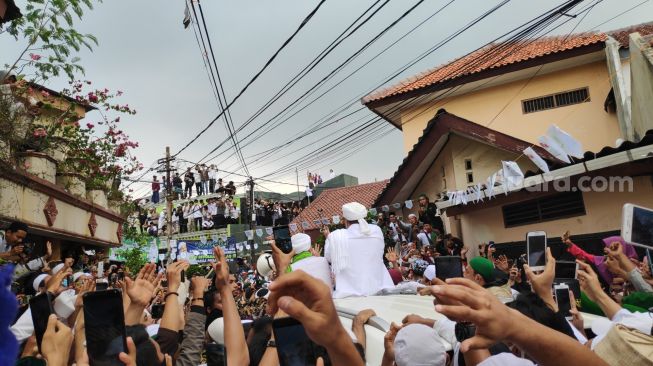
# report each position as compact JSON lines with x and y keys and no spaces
{"x":256,"y":76}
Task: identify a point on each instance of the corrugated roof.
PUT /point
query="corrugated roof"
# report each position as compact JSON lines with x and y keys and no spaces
{"x":498,"y":55}
{"x":331,"y":200}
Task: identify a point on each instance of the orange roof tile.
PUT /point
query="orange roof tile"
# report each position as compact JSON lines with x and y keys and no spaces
{"x":487,"y":58}
{"x":621,"y":35}
{"x":331,"y":201}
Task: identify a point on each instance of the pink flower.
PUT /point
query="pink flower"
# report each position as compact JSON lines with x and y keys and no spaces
{"x":34,"y":57}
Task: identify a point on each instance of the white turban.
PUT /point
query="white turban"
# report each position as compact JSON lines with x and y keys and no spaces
{"x":216,"y":329}
{"x":37,"y":281}
{"x":300,"y":242}
{"x":265,"y":264}
{"x":418,"y":344}
{"x":354,"y":211}
{"x":57,"y":268}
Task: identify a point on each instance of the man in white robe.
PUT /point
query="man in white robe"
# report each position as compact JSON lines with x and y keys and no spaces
{"x":356,"y":255}
{"x":317,"y":267}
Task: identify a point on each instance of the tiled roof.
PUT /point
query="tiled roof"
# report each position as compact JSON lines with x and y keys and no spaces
{"x":331,"y":200}
{"x":496,"y":56}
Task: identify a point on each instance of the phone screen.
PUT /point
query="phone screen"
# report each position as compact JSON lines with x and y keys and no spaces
{"x":642,"y":230}
{"x":157,"y":311}
{"x":293,"y":345}
{"x":41,"y":308}
{"x":282,"y":238}
{"x":101,"y":286}
{"x":448,"y":267}
{"x":536,"y":250}
{"x":105,"y":327}
{"x":565,"y":269}
{"x":563,"y":300}
{"x":183,"y":276}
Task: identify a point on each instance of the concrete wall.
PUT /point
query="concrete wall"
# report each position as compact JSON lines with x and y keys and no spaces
{"x":588,"y":122}
{"x":641,"y":63}
{"x":603,"y":213}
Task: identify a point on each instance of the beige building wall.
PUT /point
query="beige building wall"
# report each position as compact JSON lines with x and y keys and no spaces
{"x":603,"y":213}
{"x":588,"y":122}
{"x":641,"y":56}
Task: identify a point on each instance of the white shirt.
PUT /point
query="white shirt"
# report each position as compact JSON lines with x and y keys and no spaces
{"x":197,"y":212}
{"x":365,"y":273}
{"x":24,"y":326}
{"x":213,"y":174}
{"x":234,"y":213}
{"x":309,"y":192}
{"x":197,"y":177}
{"x":317,"y":267}
{"x":213,"y":209}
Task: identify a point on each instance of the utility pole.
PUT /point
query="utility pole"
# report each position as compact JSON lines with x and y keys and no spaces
{"x":169,"y":194}
{"x":297,"y":173}
{"x":252,"y":221}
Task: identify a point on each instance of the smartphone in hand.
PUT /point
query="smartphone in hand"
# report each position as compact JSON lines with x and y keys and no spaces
{"x":294,"y":348}
{"x":536,"y":250}
{"x":563,"y":300}
{"x":105,"y":327}
{"x":282,"y":238}
{"x":41,"y":308}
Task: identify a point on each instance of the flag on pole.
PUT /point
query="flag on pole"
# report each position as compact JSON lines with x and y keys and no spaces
{"x":536,"y":159}
{"x":553,"y":148}
{"x":187,"y":18}
{"x":569,"y":145}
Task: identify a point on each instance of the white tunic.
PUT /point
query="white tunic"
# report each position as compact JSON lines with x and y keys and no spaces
{"x":365,"y":274}
{"x":317,"y":267}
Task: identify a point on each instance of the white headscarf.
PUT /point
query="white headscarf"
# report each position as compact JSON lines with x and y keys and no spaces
{"x":354,"y":211}
{"x":37,"y":281}
{"x":418,"y":344}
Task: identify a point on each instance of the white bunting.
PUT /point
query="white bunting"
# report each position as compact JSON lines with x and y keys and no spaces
{"x":373,"y":211}
{"x":259,"y":232}
{"x":536,"y":159}
{"x":478,"y":193}
{"x":203,"y":239}
{"x":397,"y":205}
{"x":512,"y":174}
{"x":336,"y":219}
{"x":325,"y":221}
{"x":408,"y":204}
{"x":569,"y":145}
{"x":255,"y":246}
{"x":385,"y":208}
{"x":162,"y":257}
{"x":214,"y":238}
{"x":317,"y":222}
{"x":293,"y":227}
{"x":305,"y":225}
{"x":553,"y":148}
{"x":269,"y":231}
{"x":489,"y":192}
{"x":249,"y":234}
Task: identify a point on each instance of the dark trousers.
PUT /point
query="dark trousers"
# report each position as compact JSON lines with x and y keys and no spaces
{"x":212,"y":185}
{"x":183,"y":226}
{"x":198,"y":188}
{"x":188,"y":191}
{"x":155,"y":196}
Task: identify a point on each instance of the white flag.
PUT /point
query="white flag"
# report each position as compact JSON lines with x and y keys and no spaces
{"x":305,"y":225}
{"x":269,"y":230}
{"x":512,"y":175}
{"x":325,"y":221}
{"x":478,"y":193}
{"x":214,"y":238}
{"x":569,"y":145}
{"x":203,"y":239}
{"x":293,"y":227}
{"x":336,"y":219}
{"x":397,"y":205}
{"x":373,"y":211}
{"x":259,"y":232}
{"x":249,"y":234}
{"x":409,"y":204}
{"x":536,"y":159}
{"x":489,"y":192}
{"x":553,"y":148}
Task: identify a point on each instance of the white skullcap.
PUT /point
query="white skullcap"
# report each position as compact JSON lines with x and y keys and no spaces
{"x":38,"y":280}
{"x":412,"y":215}
{"x":505,"y":359}
{"x":57,"y":268}
{"x":265,"y":264}
{"x":77,"y":275}
{"x":429,"y":272}
{"x":64,"y":304}
{"x":418,"y":344}
{"x":354,"y":211}
{"x":152,"y":329}
{"x":300,"y":242}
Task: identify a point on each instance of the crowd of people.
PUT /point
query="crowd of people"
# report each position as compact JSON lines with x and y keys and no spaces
{"x":201,"y":180}
{"x":275,"y":213}
{"x":499,"y":311}
{"x":190,"y":216}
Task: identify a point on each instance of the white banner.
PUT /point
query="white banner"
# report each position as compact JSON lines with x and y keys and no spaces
{"x":553,"y":148}
{"x":536,"y":159}
{"x":249,"y":234}
{"x":569,"y":145}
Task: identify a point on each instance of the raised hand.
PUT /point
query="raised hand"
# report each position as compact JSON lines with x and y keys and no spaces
{"x":543,"y":282}
{"x":589,"y":281}
{"x":389,"y":343}
{"x":391,"y":255}
{"x":221,"y":269}
{"x":56,"y":343}
{"x":173,"y":274}
{"x":502,"y":263}
{"x":316,"y":250}
{"x":141,"y":290}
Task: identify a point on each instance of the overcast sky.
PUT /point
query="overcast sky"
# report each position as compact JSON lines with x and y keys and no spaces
{"x":145,"y":51}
